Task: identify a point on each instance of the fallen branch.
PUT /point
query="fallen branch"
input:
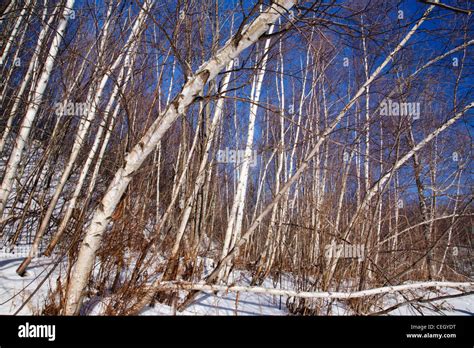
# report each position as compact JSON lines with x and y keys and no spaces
{"x":305,"y":294}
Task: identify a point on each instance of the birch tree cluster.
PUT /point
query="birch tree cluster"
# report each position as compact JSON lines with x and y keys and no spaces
{"x":326,"y":144}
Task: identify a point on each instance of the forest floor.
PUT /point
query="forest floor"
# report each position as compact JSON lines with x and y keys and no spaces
{"x":14,"y":290}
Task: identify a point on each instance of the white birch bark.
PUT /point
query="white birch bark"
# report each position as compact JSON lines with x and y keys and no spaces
{"x":383,"y":180}
{"x":28,"y":76}
{"x":367,"y":113}
{"x":190,"y":91}
{"x":306,"y":294}
{"x":376,"y":188}
{"x":202,"y":167}
{"x":235,"y":220}
{"x":10,"y":71}
{"x":93,"y":100}
{"x":453,"y":219}
{"x":214,"y":275}
{"x":13,"y":33}
{"x":32,"y":110}
{"x":7,"y":10}
{"x":121,"y":83}
{"x":268,"y":252}
{"x":380,"y":203}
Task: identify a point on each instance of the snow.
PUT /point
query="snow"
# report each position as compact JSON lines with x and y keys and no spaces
{"x":453,"y":306}
{"x":14,"y":290}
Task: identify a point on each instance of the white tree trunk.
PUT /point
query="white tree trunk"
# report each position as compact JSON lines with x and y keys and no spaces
{"x":326,"y":295}
{"x":14,"y":32}
{"x":93,"y":100}
{"x":202,"y":167}
{"x":236,"y":215}
{"x":121,"y":83}
{"x":190,"y":91}
{"x":32,"y":110}
{"x":214,"y":275}
{"x":32,"y":66}
{"x":10,"y":71}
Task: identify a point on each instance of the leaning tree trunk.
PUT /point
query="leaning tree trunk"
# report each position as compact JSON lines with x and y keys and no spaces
{"x":190,"y":91}
{"x":305,"y":163}
{"x":14,"y":33}
{"x":32,"y":110}
{"x":93,"y":101}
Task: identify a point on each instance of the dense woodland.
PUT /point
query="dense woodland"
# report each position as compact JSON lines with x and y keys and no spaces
{"x":327,"y":142}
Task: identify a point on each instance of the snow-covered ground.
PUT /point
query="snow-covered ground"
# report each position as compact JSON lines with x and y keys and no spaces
{"x":14,"y":290}
{"x":451,"y":306}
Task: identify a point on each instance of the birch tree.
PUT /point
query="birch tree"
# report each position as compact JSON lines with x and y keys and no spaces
{"x":190,"y":91}
{"x":32,"y":110}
